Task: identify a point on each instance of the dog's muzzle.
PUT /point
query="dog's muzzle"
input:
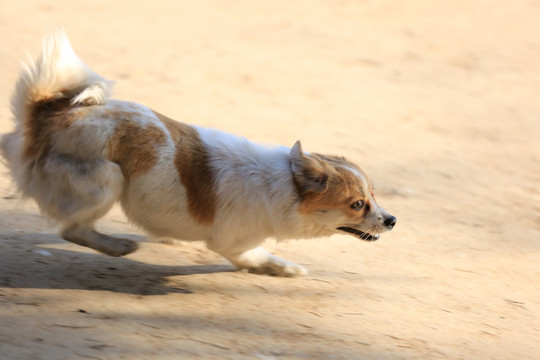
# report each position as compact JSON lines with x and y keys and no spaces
{"x":389,"y":222}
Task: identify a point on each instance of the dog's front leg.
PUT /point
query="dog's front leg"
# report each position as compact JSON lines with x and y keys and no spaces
{"x":259,"y":261}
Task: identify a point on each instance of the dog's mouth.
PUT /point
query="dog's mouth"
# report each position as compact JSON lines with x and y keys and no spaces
{"x":359,"y":234}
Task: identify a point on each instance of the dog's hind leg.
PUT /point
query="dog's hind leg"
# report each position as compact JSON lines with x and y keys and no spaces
{"x":78,"y":227}
{"x":77,"y":193}
{"x":85,"y":235}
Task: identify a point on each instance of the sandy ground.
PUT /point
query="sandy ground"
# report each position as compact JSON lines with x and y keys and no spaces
{"x":437,"y":100}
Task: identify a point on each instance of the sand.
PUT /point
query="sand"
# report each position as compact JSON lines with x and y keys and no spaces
{"x":436,"y":100}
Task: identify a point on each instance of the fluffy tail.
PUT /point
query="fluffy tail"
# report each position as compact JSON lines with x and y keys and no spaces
{"x":58,"y":184}
{"x":57,"y":73}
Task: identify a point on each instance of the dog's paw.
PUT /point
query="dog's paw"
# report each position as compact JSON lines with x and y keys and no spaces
{"x":259,"y":261}
{"x":124,"y":247}
{"x":117,"y":247}
{"x":282,"y":268}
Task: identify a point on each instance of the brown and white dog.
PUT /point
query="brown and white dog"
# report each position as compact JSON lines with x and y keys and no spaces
{"x":76,"y":153}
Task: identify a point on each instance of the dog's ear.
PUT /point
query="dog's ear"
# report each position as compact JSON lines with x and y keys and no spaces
{"x":308,"y":173}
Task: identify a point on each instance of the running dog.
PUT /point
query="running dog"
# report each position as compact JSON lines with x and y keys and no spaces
{"x":76,"y":152}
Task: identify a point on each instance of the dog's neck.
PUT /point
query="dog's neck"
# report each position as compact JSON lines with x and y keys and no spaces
{"x":283,"y":201}
{"x":255,"y":182}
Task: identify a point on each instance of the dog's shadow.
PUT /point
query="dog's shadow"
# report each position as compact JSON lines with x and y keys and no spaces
{"x":25,"y":264}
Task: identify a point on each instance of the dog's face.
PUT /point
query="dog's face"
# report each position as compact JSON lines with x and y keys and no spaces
{"x":337,"y":196}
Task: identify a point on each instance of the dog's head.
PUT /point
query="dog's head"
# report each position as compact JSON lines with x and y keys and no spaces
{"x":337,"y":196}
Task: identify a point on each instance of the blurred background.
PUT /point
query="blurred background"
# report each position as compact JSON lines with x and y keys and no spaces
{"x":436,"y":100}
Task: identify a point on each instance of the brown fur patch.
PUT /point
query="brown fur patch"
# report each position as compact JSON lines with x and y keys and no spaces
{"x":45,"y":119}
{"x":343,"y":187}
{"x":133,"y":146}
{"x":192,"y":162}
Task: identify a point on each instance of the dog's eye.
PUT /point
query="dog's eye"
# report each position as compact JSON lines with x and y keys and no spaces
{"x":357,"y":205}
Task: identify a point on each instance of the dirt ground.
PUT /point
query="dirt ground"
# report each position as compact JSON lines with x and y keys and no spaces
{"x":437,"y":100}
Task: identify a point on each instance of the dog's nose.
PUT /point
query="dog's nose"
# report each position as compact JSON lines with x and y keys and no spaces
{"x":390,"y":221}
